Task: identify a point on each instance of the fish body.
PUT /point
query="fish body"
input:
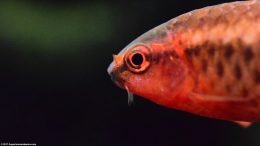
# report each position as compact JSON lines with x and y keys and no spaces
{"x":205,"y":62}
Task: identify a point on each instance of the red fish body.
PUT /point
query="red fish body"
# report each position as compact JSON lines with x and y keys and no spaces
{"x":206,"y":62}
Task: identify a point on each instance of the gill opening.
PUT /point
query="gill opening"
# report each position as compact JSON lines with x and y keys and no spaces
{"x":130,"y":96}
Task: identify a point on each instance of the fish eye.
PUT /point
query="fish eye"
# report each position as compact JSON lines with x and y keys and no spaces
{"x":138,"y":58}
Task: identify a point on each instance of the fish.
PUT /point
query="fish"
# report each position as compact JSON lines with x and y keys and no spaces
{"x":205,"y":62}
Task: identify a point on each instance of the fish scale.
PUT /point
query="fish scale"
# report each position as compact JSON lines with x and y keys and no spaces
{"x":225,"y":72}
{"x":220,"y":29}
{"x":206,"y":62}
{"x":221,"y":19}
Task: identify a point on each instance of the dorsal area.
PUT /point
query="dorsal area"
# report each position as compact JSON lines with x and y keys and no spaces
{"x":219,"y":24}
{"x":221,"y":47}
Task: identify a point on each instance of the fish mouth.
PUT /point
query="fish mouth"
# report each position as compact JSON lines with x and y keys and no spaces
{"x":110,"y":68}
{"x":113,"y":71}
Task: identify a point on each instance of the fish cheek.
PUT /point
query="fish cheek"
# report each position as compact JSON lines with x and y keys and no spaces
{"x":161,"y":83}
{"x":148,"y":84}
{"x":173,"y":76}
{"x":177,"y":85}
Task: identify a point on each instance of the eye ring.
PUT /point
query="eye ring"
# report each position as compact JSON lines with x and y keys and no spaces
{"x":137,"y":59}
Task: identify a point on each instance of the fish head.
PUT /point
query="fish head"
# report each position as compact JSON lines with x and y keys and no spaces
{"x":146,"y":67}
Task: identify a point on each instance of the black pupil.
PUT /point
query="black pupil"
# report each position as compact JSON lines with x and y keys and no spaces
{"x":137,"y":59}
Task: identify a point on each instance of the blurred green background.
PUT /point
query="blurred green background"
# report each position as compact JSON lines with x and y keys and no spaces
{"x":55,"y":89}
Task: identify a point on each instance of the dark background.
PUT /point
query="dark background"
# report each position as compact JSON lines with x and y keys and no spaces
{"x":54,"y":88}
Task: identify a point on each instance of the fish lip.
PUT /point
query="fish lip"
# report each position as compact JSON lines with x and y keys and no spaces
{"x":119,"y":84}
{"x":118,"y":81}
{"x":110,"y":68}
{"x":113,"y":73}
